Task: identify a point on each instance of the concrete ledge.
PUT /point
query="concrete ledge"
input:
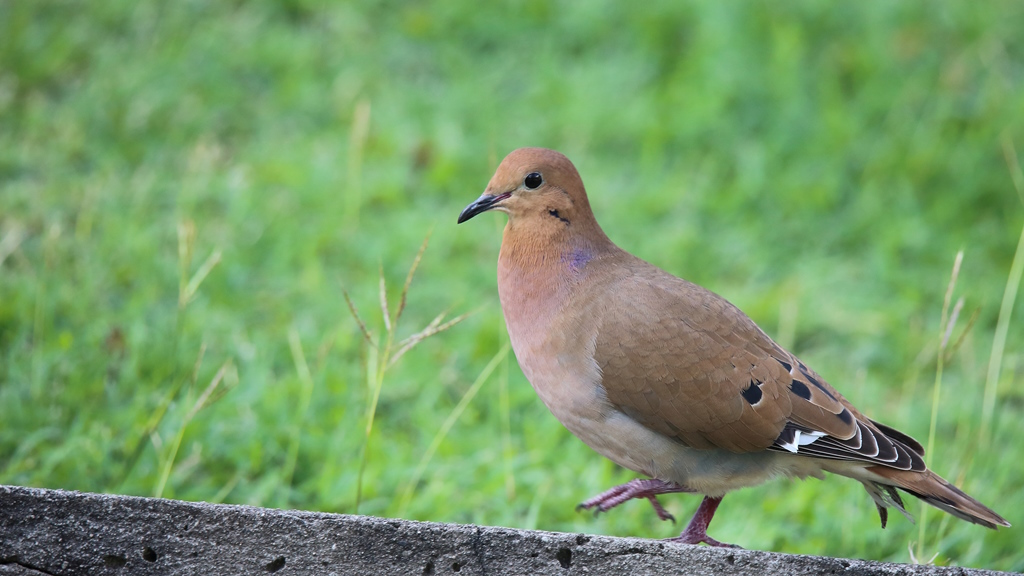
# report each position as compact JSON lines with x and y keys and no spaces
{"x":58,"y":532}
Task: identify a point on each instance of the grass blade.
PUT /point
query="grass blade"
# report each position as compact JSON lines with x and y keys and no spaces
{"x":193,"y":284}
{"x":408,"y":277}
{"x":12,"y":239}
{"x":384,"y":309}
{"x":1010,"y":155}
{"x":306,"y":379}
{"x":995,"y":361}
{"x":374,"y":382}
{"x":199,"y":404}
{"x":186,"y":242}
{"x":950,"y":351}
{"x":356,"y":147}
{"x":505,"y":407}
{"x":431,"y":329}
{"x":359,"y":321}
{"x":945,"y":329}
{"x":453,"y":417}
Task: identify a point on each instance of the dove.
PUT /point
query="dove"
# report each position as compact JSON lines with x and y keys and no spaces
{"x":668,"y":379}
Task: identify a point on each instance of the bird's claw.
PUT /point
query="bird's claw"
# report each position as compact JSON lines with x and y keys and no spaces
{"x":639,"y":488}
{"x":682,"y":539}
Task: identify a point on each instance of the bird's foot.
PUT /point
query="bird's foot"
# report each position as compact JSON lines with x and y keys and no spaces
{"x":685,"y":538}
{"x":639,"y":488}
{"x":697,"y":530}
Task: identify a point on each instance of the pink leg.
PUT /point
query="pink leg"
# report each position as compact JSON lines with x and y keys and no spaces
{"x":697,"y":530}
{"x":639,"y":488}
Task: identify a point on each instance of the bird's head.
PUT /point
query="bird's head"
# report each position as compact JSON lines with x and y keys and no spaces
{"x":536,"y":187}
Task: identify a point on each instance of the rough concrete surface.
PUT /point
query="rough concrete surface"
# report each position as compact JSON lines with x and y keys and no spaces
{"x":60,"y":532}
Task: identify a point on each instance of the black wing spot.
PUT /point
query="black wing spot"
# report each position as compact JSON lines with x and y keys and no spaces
{"x":786,"y":365}
{"x":846,"y":417}
{"x":752,"y":393}
{"x":817,"y":384}
{"x":800,"y":389}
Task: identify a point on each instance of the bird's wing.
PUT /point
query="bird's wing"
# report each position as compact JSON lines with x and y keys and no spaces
{"x":686,"y":363}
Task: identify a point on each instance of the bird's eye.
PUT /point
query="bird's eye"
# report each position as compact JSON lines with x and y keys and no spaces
{"x":533,"y":180}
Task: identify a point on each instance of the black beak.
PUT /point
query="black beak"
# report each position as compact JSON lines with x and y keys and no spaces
{"x":482,"y":204}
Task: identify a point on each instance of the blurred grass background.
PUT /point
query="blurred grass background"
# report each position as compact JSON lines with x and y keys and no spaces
{"x":186,"y":187}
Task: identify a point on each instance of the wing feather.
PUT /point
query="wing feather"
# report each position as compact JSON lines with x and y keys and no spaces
{"x":707,"y":376}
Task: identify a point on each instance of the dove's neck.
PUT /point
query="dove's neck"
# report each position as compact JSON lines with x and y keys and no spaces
{"x":538,"y":274}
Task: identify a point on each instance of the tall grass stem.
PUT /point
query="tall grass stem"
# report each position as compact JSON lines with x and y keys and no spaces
{"x":945,"y":330}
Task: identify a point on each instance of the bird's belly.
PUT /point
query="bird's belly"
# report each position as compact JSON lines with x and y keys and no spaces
{"x":713,"y":472}
{"x":576,"y":398}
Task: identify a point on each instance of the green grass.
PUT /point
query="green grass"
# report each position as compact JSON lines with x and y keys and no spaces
{"x":818,"y":164}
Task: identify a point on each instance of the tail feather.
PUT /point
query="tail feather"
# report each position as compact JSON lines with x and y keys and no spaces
{"x":934,"y":490}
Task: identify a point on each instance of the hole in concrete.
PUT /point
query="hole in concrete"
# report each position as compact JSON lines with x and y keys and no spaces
{"x":275,"y":565}
{"x":149,"y":555}
{"x":429,"y":568}
{"x":564,"y":556}
{"x":581,"y":540}
{"x":456,"y":566}
{"x":845,"y":564}
{"x":114,"y":561}
{"x":730,"y":559}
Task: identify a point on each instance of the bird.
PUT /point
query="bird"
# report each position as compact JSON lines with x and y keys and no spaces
{"x":669,"y":379}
